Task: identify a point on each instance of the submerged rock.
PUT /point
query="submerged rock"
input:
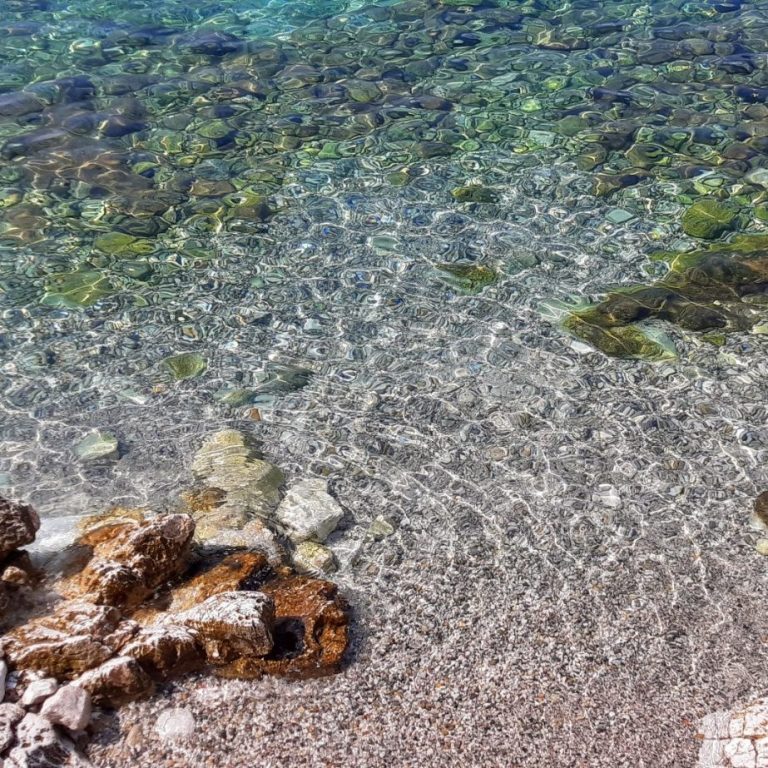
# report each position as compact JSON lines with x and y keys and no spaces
{"x":186,"y":365}
{"x":308,"y":511}
{"x":708,"y":219}
{"x":97,"y":445}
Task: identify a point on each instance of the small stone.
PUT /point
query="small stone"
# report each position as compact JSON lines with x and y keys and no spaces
{"x":175,"y":724}
{"x":10,"y":715}
{"x":312,"y":557}
{"x":308,"y":511}
{"x":380,"y":528}
{"x":70,"y":706}
{"x":3,"y":677}
{"x":186,"y":365}
{"x":762,"y":547}
{"x":760,"y":518}
{"x":38,"y":691}
{"x":619,"y":216}
{"x":97,"y":445}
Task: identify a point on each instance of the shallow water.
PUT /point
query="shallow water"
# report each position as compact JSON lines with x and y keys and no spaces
{"x":274,"y":187}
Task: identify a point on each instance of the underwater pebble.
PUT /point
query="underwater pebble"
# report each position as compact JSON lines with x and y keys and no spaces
{"x":175,"y":724}
{"x":308,"y":511}
{"x":97,"y":445}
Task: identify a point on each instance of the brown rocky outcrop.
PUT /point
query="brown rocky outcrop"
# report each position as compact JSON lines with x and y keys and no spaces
{"x":127,"y":561}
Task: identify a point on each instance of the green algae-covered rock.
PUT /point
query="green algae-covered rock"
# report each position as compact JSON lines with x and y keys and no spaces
{"x":185,"y":365}
{"x":474,"y":193}
{"x":471,"y":278}
{"x":625,"y":341}
{"x":118,"y":243}
{"x":76,"y":290}
{"x":708,"y":219}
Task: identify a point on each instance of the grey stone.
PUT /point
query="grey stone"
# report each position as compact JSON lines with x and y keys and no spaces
{"x":70,"y":706}
{"x":97,"y":445}
{"x":38,"y":744}
{"x":308,"y":511}
{"x":38,"y":691}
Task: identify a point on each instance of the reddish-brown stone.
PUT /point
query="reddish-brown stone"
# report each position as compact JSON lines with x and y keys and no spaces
{"x":18,"y":525}
{"x":117,"y":681}
{"x":129,"y":560}
{"x":311,"y":631}
{"x":166,"y":651}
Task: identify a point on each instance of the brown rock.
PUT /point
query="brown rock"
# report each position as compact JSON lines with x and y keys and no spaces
{"x":65,"y":643}
{"x":232,"y":625}
{"x":311,"y":630}
{"x":166,"y":651}
{"x":129,"y":560}
{"x":240,"y":570}
{"x":18,"y":525}
{"x":116,"y":682}
{"x":761,"y":508}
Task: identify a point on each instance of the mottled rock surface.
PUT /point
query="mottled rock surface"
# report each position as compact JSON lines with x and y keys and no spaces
{"x":232,"y":625}
{"x":18,"y":525}
{"x":70,"y":706}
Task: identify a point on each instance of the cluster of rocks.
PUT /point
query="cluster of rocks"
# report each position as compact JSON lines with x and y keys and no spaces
{"x":137,"y":601}
{"x":239,"y":504}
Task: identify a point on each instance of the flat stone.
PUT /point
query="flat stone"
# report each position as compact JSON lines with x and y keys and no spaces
{"x":175,"y":724}
{"x":380,"y":528}
{"x":308,"y":511}
{"x":97,"y":445}
{"x":232,"y":624}
{"x":70,"y":706}
{"x":10,"y":715}
{"x":38,"y":691}
{"x":619,"y":216}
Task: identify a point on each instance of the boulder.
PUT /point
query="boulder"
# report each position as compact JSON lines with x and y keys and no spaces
{"x":18,"y":525}
{"x":232,"y":625}
{"x":311,"y":630}
{"x":130,"y":559}
{"x":308,"y":511}
{"x":71,"y":640}
{"x":70,"y":706}
{"x":39,"y":746}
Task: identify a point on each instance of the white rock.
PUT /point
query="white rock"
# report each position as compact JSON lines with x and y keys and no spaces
{"x":175,"y":724}
{"x":40,"y":745}
{"x":70,"y":706}
{"x":38,"y":691}
{"x":3,"y":677}
{"x":308,"y":511}
{"x":10,"y":715}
